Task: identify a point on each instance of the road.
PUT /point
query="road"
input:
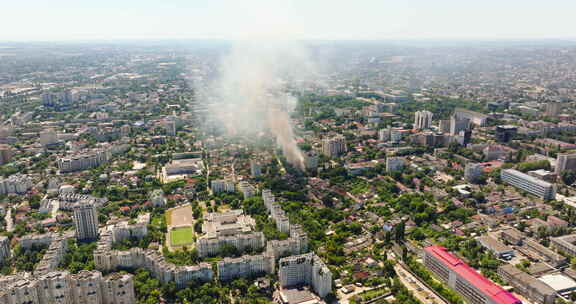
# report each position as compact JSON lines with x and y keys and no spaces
{"x":416,"y":286}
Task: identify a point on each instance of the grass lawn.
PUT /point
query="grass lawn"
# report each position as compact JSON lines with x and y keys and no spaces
{"x":181,"y":236}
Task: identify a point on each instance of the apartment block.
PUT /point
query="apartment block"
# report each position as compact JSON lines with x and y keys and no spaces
{"x":244,"y":266}
{"x":85,"y":221}
{"x":527,"y":285}
{"x":334,"y":146}
{"x":565,"y":244}
{"x":305,"y":269}
{"x":470,"y":284}
{"x":4,"y":248}
{"x":530,"y":184}
{"x":15,"y":184}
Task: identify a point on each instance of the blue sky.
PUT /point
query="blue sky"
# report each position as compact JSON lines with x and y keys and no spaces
{"x":295,"y":19}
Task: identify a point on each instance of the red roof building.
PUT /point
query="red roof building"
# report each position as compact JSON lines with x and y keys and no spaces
{"x":464,"y":279}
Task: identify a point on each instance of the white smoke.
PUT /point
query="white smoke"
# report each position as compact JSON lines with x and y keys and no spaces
{"x":251,"y":92}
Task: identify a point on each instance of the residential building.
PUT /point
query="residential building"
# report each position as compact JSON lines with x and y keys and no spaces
{"x":170,"y":127}
{"x":499,"y":250}
{"x":246,"y":189}
{"x":305,"y":269}
{"x":565,"y":162}
{"x":565,"y":244}
{"x":476,"y":118}
{"x":394,"y":164}
{"x":334,"y":146}
{"x":4,"y":249}
{"x":547,"y":254}
{"x":527,"y":285}
{"x":384,"y":134}
{"x":244,"y":267}
{"x":48,"y":137}
{"x":311,"y":160}
{"x":505,"y":133}
{"x":86,"y":221}
{"x":15,"y":184}
{"x":458,"y":125}
{"x":5,"y":154}
{"x":553,"y":109}
{"x":422,"y":120}
{"x":469,"y":283}
{"x":473,"y":172}
{"x":86,"y":287}
{"x":530,"y":184}
{"x":512,"y":236}
{"x":444,"y":126}
{"x":255,"y":168}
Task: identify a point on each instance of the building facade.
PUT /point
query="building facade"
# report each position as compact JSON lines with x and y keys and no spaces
{"x":85,"y":221}
{"x":422,"y":120}
{"x":470,"y":284}
{"x":334,"y":146}
{"x":305,"y":269}
{"x":530,"y":184}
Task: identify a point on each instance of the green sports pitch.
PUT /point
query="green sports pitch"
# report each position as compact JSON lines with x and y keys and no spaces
{"x":181,"y":236}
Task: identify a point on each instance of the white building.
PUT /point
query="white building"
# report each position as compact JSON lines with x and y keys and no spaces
{"x":305,"y":269}
{"x":48,"y":137}
{"x":15,"y":184}
{"x":422,"y":120}
{"x":334,"y":146}
{"x":530,"y":184}
{"x":244,"y":266}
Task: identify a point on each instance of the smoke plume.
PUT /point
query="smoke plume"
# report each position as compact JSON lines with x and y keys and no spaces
{"x":251,"y":95}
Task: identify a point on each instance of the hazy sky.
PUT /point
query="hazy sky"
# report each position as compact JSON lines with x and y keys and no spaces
{"x":302,"y":19}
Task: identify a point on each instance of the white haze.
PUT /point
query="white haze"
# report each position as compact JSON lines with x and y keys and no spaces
{"x":250,"y":93}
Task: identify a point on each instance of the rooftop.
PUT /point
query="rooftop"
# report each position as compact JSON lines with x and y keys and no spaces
{"x":497,"y":293}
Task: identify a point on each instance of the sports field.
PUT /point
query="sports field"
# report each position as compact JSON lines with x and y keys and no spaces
{"x":179,"y":216}
{"x":181,"y":236}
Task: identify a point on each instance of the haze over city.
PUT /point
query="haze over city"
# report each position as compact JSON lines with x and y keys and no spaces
{"x":287,"y":152}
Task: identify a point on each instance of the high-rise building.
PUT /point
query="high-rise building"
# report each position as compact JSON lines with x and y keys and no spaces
{"x":553,"y":109}
{"x":170,"y":127}
{"x":384,"y":134}
{"x":5,"y":154}
{"x":444,"y":126}
{"x":422,"y":120}
{"x":462,"y":278}
{"x":4,"y":248}
{"x":565,"y":162}
{"x":473,"y":172}
{"x":255,"y":168}
{"x":311,"y":160}
{"x":86,"y":221}
{"x":305,"y":269}
{"x":530,"y":184}
{"x":335,"y":146}
{"x":458,"y":124}
{"x":48,"y":137}
{"x":505,"y":133}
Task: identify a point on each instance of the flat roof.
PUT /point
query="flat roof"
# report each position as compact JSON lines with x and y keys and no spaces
{"x":296,"y":295}
{"x":493,"y":244}
{"x":489,"y":288}
{"x":558,"y":282}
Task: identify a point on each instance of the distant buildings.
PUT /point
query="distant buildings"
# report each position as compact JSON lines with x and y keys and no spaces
{"x":246,"y":189}
{"x":193,"y":166}
{"x":384,"y":134}
{"x":530,"y":184}
{"x":305,"y":269}
{"x":311,"y":160}
{"x":470,"y":284}
{"x":222,"y":185}
{"x":15,"y":184}
{"x":422,"y":120}
{"x":89,"y":160}
{"x":458,"y":125}
{"x":86,"y":221}
{"x":48,"y":137}
{"x":170,"y":127}
{"x":334,"y":146}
